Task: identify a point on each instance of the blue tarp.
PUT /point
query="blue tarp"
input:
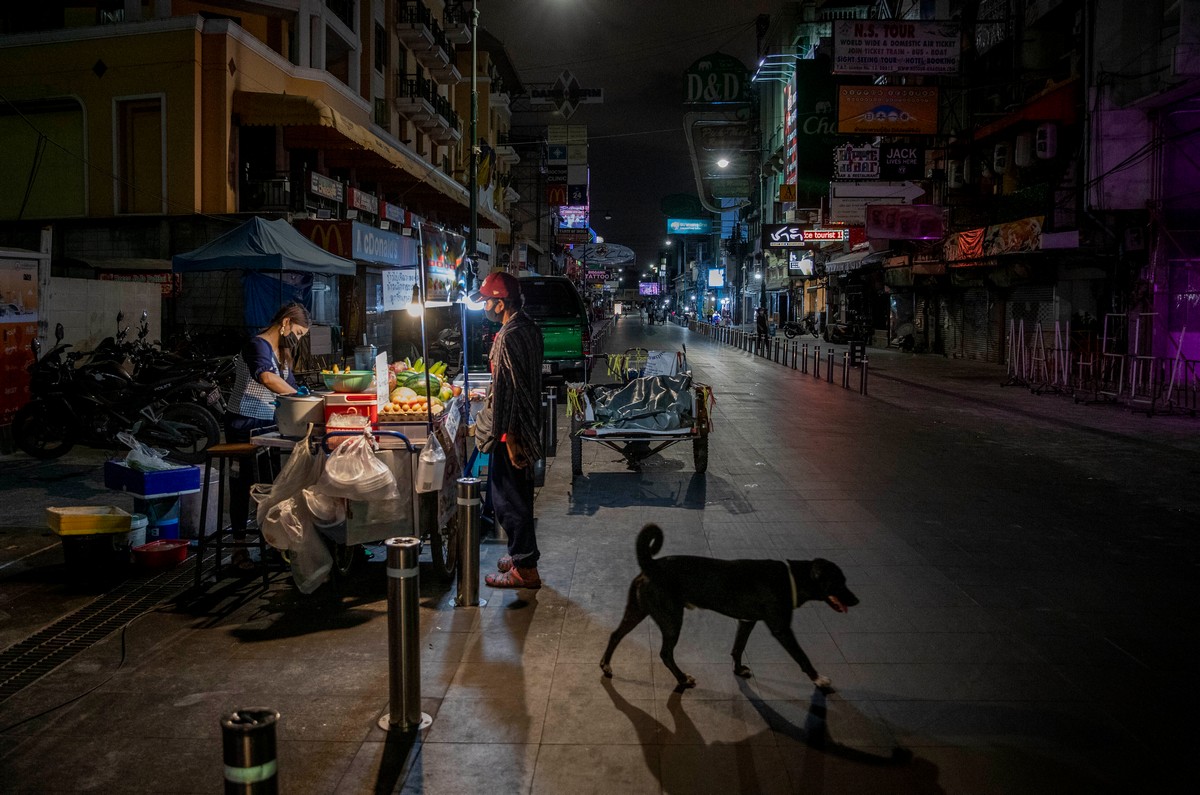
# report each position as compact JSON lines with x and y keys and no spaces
{"x":261,"y":245}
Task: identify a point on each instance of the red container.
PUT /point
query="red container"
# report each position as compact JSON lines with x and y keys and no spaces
{"x":363,"y":405}
{"x":166,"y":553}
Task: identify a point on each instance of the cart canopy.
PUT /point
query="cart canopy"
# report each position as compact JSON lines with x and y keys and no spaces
{"x":262,"y":245}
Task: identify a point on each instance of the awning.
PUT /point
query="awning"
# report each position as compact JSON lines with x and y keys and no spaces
{"x":854,"y":261}
{"x":310,"y":123}
{"x":1058,"y":104}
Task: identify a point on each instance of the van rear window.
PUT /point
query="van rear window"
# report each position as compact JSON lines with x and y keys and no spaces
{"x":551,"y":299}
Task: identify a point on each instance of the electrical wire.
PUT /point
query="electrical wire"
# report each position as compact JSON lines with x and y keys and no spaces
{"x":93,"y":688}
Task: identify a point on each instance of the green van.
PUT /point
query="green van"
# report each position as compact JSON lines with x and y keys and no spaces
{"x":556,"y":306}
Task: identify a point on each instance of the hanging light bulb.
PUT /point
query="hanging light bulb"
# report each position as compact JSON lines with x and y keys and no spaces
{"x":415,"y":307}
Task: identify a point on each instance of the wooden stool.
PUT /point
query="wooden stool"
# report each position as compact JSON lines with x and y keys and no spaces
{"x":244,"y":454}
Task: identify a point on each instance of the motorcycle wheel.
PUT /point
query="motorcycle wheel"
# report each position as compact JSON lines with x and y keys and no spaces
{"x":186,"y":430}
{"x":790,"y":332}
{"x":42,"y":432}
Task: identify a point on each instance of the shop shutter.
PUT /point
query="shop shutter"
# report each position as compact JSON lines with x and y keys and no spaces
{"x":1032,"y":304}
{"x":952,"y":325}
{"x":975,"y":324}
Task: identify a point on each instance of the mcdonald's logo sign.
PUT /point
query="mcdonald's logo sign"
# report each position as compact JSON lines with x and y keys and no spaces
{"x":335,"y":237}
{"x":556,"y":194}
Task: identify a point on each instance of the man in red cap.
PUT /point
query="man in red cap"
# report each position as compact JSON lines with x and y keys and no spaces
{"x":516,"y":363}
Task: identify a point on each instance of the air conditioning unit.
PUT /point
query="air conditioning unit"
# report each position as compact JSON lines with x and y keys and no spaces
{"x":1000,"y":158}
{"x":1045,"y":140}
{"x":1023,"y":150}
{"x":954,"y":174}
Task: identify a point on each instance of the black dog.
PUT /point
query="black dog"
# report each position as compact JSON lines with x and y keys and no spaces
{"x":748,"y":590}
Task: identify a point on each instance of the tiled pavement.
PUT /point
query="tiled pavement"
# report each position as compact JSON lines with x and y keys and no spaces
{"x":1026,"y":568}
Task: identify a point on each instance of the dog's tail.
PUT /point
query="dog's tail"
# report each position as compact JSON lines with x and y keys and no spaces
{"x":649,"y":542}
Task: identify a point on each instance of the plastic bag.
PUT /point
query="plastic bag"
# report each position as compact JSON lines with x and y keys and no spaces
{"x":303,"y":469}
{"x":290,"y":523}
{"x":431,"y":467}
{"x":142,"y":457}
{"x":352,"y":471}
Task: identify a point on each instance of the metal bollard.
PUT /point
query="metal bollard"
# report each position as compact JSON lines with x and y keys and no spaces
{"x":404,"y":650}
{"x":775,"y":351}
{"x":248,"y":747}
{"x":862,"y":378}
{"x":549,"y":432}
{"x":468,"y":544}
{"x":845,"y":370}
{"x":829,"y":371}
{"x":804,"y":358}
{"x":816,"y":361}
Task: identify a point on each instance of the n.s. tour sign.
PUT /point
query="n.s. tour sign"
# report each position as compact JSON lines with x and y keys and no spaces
{"x":716,"y":79}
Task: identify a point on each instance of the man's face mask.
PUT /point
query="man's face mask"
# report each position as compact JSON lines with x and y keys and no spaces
{"x":492,"y":311}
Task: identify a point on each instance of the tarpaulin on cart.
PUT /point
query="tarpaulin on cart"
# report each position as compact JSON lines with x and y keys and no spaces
{"x":650,"y":403}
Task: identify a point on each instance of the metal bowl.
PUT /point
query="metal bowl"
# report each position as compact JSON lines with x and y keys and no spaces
{"x":352,"y":381}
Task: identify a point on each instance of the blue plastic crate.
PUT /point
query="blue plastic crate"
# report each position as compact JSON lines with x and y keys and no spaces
{"x":167,"y":482}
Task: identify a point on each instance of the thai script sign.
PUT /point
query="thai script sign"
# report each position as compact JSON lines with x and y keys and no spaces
{"x":906,"y":221}
{"x":856,"y":162}
{"x":689,"y":226}
{"x":361,"y":200}
{"x":884,"y":46}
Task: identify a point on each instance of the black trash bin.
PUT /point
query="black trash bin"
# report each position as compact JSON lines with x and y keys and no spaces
{"x":858,"y":351}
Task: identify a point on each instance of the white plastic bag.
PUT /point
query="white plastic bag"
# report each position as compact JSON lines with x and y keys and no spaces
{"x":352,"y":471}
{"x":303,"y":469}
{"x":431,"y":467}
{"x":142,"y":457}
{"x":309,"y":558}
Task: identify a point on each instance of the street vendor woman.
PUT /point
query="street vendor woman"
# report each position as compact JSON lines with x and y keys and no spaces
{"x":262,"y":370}
{"x":516,"y":363}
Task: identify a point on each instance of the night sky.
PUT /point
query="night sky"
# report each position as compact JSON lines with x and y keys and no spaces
{"x":637,"y":51}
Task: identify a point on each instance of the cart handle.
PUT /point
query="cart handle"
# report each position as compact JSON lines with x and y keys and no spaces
{"x":396,"y":434}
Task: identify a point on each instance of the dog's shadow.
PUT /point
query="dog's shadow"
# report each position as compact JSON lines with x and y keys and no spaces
{"x":898,"y":772}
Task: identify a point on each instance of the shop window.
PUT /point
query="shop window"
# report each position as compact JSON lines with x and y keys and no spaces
{"x":140,"y":168}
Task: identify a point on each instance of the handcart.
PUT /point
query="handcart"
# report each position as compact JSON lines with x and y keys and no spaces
{"x":636,"y":445}
{"x":640,"y":362}
{"x":431,"y":516}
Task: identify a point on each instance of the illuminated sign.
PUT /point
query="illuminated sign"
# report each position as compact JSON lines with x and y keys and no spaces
{"x":881,"y":46}
{"x":887,"y":110}
{"x":647,"y":288}
{"x":689,"y":226}
{"x":716,"y":278}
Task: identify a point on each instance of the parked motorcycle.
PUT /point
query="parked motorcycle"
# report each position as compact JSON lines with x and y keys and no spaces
{"x":854,"y":330}
{"x":805,"y":325}
{"x":81,"y":399}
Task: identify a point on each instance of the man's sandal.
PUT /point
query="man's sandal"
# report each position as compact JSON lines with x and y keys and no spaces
{"x":514,"y":578}
{"x":504,"y":564}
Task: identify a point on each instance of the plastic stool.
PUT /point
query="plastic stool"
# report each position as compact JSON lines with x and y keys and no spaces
{"x":244,"y":453}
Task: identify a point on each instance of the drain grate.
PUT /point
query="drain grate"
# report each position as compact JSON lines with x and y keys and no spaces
{"x":25,"y":662}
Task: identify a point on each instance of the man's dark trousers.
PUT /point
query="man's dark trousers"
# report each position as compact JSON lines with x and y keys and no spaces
{"x":511,"y":493}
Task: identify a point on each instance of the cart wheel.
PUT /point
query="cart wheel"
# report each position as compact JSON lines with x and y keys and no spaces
{"x":700,"y":454}
{"x":443,"y":542}
{"x":443,"y":550}
{"x":346,"y":557}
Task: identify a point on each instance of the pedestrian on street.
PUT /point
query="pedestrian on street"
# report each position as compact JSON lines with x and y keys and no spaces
{"x":760,"y":326}
{"x":516,"y":363}
{"x":262,"y":370}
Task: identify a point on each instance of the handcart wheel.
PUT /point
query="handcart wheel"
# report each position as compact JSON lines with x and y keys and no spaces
{"x":700,"y":453}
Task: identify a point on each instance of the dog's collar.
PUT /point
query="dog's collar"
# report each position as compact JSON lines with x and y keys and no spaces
{"x":792,"y":582}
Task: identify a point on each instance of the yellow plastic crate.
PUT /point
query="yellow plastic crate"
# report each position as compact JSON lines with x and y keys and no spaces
{"x":82,"y":520}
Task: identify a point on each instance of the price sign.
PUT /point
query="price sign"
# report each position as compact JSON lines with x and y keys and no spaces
{"x":398,"y":284}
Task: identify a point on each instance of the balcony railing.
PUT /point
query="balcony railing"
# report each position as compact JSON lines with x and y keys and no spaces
{"x":267,"y":194}
{"x":343,"y":10}
{"x":456,"y":19}
{"x":415,"y":100}
{"x":420,"y":32}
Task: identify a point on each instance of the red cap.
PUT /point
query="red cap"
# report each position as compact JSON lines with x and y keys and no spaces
{"x":498,"y":284}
